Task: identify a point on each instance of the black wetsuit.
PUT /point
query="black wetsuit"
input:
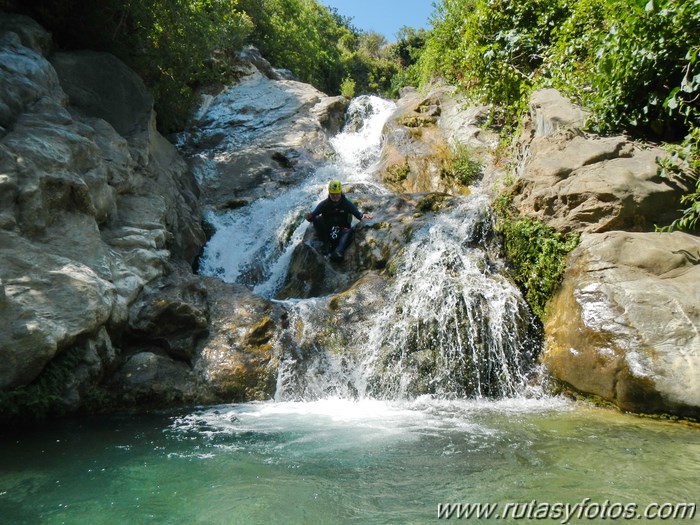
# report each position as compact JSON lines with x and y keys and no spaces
{"x":332,"y":221}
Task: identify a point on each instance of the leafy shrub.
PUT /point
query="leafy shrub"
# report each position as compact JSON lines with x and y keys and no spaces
{"x":463,"y":167}
{"x":492,"y":49}
{"x":646,"y":77}
{"x":300,"y":35}
{"x":536,"y":253}
{"x":176,"y":46}
{"x":686,"y":158}
{"x":347,"y":87}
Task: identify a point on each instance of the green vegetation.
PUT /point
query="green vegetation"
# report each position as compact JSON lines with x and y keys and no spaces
{"x":463,"y":167}
{"x":43,"y":397}
{"x":176,"y":46}
{"x":536,"y":252}
{"x":182,"y":47}
{"x":633,"y":63}
{"x":685,"y":158}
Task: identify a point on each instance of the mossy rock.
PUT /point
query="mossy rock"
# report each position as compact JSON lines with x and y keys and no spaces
{"x":417,"y":121}
{"x":398,"y":172}
{"x":432,"y":202}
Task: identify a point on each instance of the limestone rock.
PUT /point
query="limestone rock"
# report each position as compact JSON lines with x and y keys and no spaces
{"x":238,"y":359}
{"x":171,"y":313}
{"x":150,"y":379}
{"x":102,"y":86}
{"x":95,"y":205}
{"x":31,"y":34}
{"x":575,"y":182}
{"x":422,"y":136}
{"x":258,"y":136}
{"x":625,"y":325}
{"x":48,"y":302}
{"x":551,"y":112}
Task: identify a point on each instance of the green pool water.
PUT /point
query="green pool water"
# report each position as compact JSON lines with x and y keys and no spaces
{"x":338,"y":461}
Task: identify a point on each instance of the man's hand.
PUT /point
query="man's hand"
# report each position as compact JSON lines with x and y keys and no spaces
{"x":366,"y":217}
{"x":309,"y":216}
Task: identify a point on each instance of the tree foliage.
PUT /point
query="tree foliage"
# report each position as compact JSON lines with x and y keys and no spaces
{"x":632,"y":63}
{"x":174,"y":45}
{"x":300,"y":35}
{"x":180,"y":46}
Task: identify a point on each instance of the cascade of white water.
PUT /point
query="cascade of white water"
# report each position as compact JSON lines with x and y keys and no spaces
{"x":252,"y":245}
{"x":451,"y":324}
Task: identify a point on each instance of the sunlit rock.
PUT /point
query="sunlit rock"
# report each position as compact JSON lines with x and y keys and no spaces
{"x":258,"y":136}
{"x":95,"y":203}
{"x":625,"y":325}
{"x":579,"y":182}
{"x":423,"y":137}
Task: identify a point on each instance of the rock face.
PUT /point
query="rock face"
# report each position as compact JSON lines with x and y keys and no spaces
{"x":624,"y":325}
{"x":575,"y":182}
{"x":423,"y":136}
{"x":258,"y":136}
{"x":96,"y":205}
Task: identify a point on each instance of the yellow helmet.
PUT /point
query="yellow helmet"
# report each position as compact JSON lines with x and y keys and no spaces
{"x":334,"y":186}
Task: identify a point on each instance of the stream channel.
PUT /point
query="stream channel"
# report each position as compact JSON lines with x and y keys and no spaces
{"x":351,"y":444}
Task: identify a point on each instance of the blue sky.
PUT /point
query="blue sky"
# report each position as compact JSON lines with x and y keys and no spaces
{"x":384,"y":16}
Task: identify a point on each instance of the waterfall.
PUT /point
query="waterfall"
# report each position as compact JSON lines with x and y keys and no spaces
{"x":448,"y":324}
{"x":451,"y":325}
{"x":252,"y":245}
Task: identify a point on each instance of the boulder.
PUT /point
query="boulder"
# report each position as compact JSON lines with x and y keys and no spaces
{"x":625,"y":324}
{"x":238,"y":359}
{"x":100,"y":85}
{"x":258,"y":136}
{"x":171,"y":313}
{"x":27,"y":77}
{"x":48,"y":303}
{"x":576,"y":182}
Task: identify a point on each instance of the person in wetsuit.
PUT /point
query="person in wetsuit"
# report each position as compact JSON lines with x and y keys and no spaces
{"x":332,"y":219}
